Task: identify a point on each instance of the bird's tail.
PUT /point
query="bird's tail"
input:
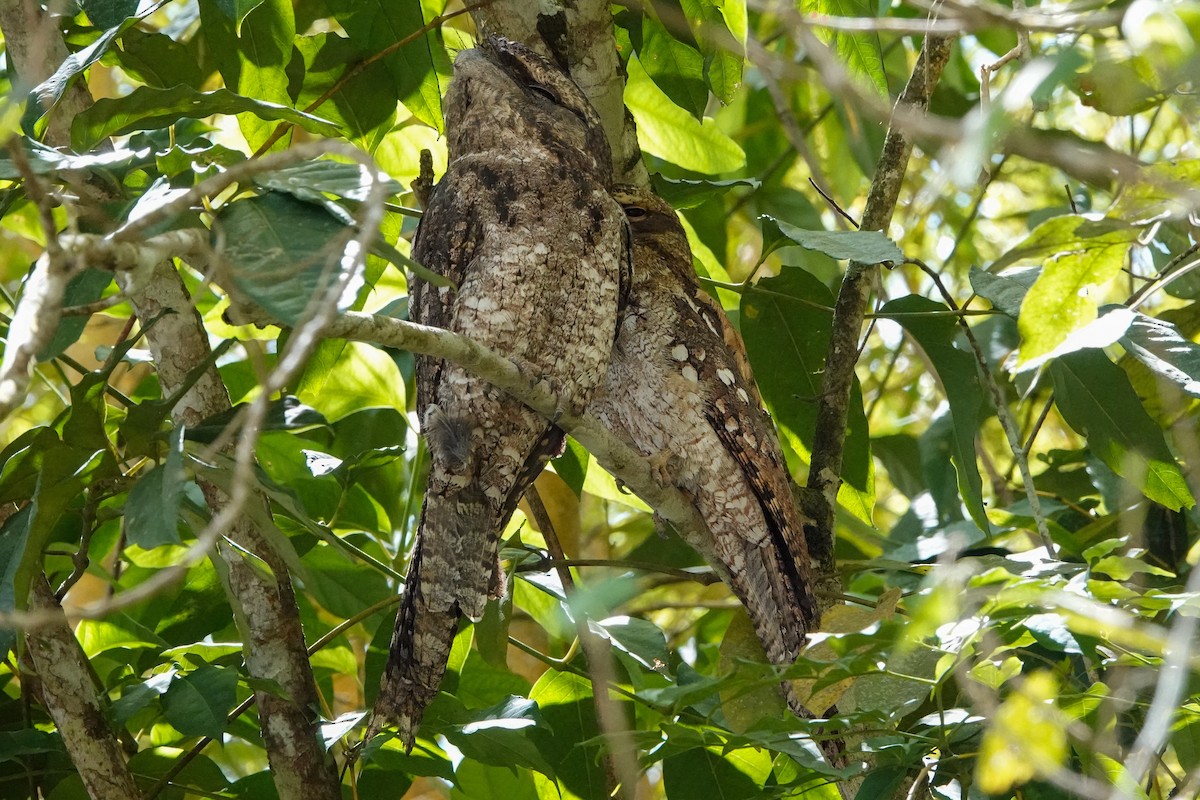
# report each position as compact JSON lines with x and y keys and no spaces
{"x":435,"y":594}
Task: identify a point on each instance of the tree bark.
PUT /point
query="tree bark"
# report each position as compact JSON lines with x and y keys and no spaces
{"x":70,"y":696}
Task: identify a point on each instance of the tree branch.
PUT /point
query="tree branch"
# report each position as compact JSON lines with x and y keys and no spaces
{"x":71,"y":698}
{"x":824,"y":476}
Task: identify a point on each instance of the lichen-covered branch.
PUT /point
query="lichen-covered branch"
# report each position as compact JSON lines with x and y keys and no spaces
{"x":40,"y":309}
{"x":70,"y":696}
{"x":614,"y":455}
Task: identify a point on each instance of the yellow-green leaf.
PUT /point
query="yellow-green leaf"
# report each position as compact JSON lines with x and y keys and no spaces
{"x":671,"y":133}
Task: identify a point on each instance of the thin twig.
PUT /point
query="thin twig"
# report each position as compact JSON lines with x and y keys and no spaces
{"x":1002,"y":413}
{"x":619,"y":762}
{"x":706,"y":577}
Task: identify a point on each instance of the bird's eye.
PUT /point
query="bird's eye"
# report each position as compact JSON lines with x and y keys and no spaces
{"x":636,"y":212}
{"x":543,"y":92}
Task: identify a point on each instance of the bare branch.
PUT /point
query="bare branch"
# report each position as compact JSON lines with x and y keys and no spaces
{"x":833,"y":405}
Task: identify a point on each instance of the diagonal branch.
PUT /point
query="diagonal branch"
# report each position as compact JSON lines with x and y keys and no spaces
{"x":833,"y":405}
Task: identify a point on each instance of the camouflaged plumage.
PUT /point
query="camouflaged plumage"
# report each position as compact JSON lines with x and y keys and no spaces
{"x":524,"y":226}
{"x":679,"y":390}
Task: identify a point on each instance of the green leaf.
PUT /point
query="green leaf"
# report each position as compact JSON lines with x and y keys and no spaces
{"x":865,"y":247}
{"x":374,"y":25}
{"x":147,"y":109}
{"x":959,"y":376}
{"x":1004,"y":292}
{"x":1122,"y":568}
{"x":106,"y":14}
{"x":152,"y":510}
{"x":676,"y":67}
{"x":51,"y":90}
{"x":15,"y":745}
{"x":14,"y":535}
{"x":785,"y":322}
{"x":475,"y":781}
{"x":263,"y":52}
{"x":365,"y":106}
{"x":118,"y":632}
{"x":282,"y":252}
{"x":501,"y":736}
{"x":572,"y":466}
{"x":491,"y":631}
{"x":683,"y":194}
{"x":62,"y":474}
{"x":344,"y":377}
{"x":237,"y":10}
{"x":158,"y":60}
{"x":84,"y":288}
{"x":744,"y":707}
{"x":722,"y":49}
{"x":312,"y":180}
{"x":1095,"y":398}
{"x":860,"y":53}
{"x":1161,"y":347}
{"x":340,"y":584}
{"x":567,"y":707}
{"x":640,"y":638}
{"x":198,"y":703}
{"x":671,"y":133}
{"x":285,"y":414}
{"x":1185,"y":734}
{"x":1080,"y":257}
{"x":45,"y":160}
{"x":702,"y":773}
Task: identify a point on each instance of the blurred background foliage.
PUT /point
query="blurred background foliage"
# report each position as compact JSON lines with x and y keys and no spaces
{"x":972,"y":654}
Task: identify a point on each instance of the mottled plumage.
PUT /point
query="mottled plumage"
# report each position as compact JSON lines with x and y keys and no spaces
{"x":679,"y":390}
{"x":522,"y":223}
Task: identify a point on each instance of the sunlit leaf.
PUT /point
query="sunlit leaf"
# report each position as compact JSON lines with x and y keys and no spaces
{"x":676,"y":67}
{"x":502,"y":736}
{"x":1027,"y":737}
{"x":374,"y":25}
{"x":1080,"y":257}
{"x":1160,"y":346}
{"x":671,"y":133}
{"x":344,"y":377}
{"x":567,"y":707}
